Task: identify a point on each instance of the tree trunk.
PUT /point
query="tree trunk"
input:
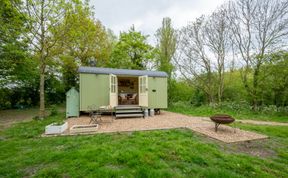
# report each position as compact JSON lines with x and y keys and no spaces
{"x":211,"y":99}
{"x":220,"y":87}
{"x":42,"y":91}
{"x":255,"y":87}
{"x":210,"y":88}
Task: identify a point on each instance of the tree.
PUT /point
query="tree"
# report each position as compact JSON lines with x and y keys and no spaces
{"x":86,"y":38}
{"x":131,"y":51}
{"x":86,"y":42}
{"x":192,"y":60}
{"x":217,"y":40}
{"x":274,"y":74}
{"x":166,"y":46}
{"x":44,"y":16}
{"x":166,"y":43}
{"x":17,"y":67}
{"x":203,"y":49}
{"x":258,"y":27}
{"x":69,"y":72}
{"x":12,"y":48}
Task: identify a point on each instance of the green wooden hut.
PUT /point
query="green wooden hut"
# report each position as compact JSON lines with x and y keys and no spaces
{"x":122,"y":87}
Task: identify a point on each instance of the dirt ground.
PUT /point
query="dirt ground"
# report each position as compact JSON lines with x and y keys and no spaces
{"x":11,"y":116}
{"x":255,"y":148}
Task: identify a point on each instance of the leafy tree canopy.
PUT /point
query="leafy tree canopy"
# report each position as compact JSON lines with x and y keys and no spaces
{"x":132,"y":51}
{"x":86,"y":38}
{"x":12,"y":47}
{"x":166,"y":39}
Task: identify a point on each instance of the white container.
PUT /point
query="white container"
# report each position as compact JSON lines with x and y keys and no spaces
{"x":145,"y":113}
{"x":152,"y":112}
{"x":56,"y":129}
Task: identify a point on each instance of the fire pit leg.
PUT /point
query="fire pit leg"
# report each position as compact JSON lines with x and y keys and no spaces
{"x":216,"y":126}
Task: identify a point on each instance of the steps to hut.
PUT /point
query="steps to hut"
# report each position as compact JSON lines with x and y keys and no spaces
{"x":125,"y":111}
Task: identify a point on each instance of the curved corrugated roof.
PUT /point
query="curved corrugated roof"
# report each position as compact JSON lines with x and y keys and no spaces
{"x":99,"y":70}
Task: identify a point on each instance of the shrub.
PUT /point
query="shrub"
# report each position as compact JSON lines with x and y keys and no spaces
{"x":236,"y":106}
{"x":283,"y":109}
{"x":181,"y":104}
{"x":54,"y":110}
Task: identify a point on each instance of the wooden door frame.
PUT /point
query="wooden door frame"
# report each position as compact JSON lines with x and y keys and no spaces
{"x":143,"y":90}
{"x":113,"y":90}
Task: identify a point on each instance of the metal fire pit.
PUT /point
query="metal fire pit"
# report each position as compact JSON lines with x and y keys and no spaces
{"x":221,"y":119}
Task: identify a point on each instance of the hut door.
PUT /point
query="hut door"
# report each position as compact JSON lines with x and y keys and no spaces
{"x":113,"y":90}
{"x":143,"y":91}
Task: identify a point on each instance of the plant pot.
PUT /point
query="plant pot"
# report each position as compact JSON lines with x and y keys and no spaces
{"x":56,"y":129}
{"x":84,"y":128}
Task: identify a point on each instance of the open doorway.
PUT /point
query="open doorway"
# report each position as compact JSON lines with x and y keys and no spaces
{"x":128,"y":91}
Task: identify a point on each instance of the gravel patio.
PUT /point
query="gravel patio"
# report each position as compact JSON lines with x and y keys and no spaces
{"x":166,"y":120}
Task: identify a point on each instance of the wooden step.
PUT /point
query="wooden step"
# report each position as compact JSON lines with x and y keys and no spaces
{"x":127,"y":107}
{"x":128,"y":111}
{"x":130,"y":115}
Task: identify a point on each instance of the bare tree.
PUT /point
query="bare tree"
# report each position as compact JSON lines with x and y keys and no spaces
{"x":44,"y":16}
{"x":217,"y":40}
{"x":192,"y":59}
{"x":258,"y":27}
{"x":204,"y":45}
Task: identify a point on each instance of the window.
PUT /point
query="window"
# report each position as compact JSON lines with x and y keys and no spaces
{"x":142,"y":84}
{"x":113,"y":84}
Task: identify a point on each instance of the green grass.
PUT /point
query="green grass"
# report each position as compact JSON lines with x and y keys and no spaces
{"x":240,"y":114}
{"x":169,"y":153}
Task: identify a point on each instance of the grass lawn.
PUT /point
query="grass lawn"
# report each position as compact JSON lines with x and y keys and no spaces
{"x":169,"y":153}
{"x":241,"y":114}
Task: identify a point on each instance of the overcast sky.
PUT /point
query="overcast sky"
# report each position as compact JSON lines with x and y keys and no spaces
{"x":146,"y":15}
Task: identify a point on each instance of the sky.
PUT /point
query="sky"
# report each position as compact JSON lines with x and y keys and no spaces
{"x":146,"y":15}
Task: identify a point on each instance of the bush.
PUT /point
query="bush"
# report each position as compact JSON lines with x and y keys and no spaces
{"x":268,"y":109}
{"x":198,"y":98}
{"x":236,"y":106}
{"x":181,"y":104}
{"x":180,"y":91}
{"x":283,"y":109}
{"x":54,"y":110}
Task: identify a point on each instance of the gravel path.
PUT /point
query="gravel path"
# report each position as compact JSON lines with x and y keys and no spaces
{"x":168,"y":120}
{"x":263,"y":122}
{"x":255,"y":122}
